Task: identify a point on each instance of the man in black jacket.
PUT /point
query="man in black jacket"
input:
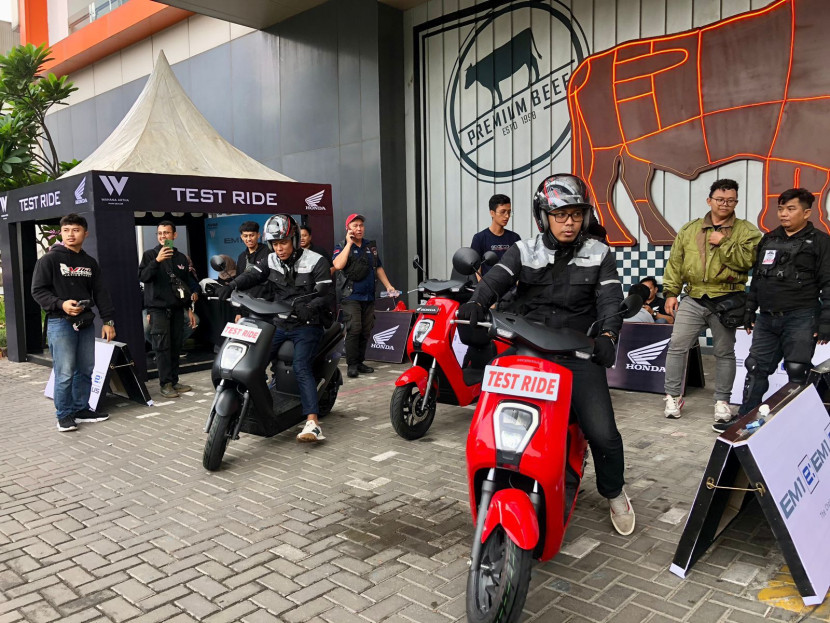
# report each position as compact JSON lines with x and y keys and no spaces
{"x":565,"y":278}
{"x":293,"y":274}
{"x":255,"y":251}
{"x":791,"y":285}
{"x":67,"y":284}
{"x":169,"y":288}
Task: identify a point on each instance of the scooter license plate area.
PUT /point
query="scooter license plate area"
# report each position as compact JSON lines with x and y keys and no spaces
{"x":522,"y":383}
{"x":245,"y":333}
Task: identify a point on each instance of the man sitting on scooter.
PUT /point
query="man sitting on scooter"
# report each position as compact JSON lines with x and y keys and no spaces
{"x":293,"y":273}
{"x":566,"y":278}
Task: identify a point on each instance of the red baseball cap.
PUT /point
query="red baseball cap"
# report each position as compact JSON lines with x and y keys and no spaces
{"x":353,"y":217}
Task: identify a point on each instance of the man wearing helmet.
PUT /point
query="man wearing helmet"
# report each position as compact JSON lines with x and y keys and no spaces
{"x":565,"y":277}
{"x":294,"y":272}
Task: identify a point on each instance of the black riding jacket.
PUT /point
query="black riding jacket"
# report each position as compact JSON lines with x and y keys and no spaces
{"x":792,"y":272}
{"x":295,"y":277}
{"x":587,"y":288}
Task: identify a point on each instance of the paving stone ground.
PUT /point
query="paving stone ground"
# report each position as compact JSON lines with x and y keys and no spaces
{"x":119,"y":521}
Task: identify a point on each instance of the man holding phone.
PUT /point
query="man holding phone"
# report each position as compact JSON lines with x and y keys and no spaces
{"x":359,"y":263}
{"x":66,"y":284}
{"x":169,"y":287}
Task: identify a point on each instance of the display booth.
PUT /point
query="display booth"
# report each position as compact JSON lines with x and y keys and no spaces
{"x":780,"y":459}
{"x":163,"y":161}
{"x":641,"y":359}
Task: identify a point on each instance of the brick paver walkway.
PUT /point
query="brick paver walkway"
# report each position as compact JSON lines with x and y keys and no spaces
{"x":120,"y":522}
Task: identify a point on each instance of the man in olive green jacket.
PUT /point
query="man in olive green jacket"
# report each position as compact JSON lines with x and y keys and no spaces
{"x":712,"y":256}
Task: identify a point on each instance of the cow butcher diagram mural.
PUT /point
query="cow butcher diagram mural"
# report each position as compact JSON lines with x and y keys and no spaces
{"x":755,"y":86}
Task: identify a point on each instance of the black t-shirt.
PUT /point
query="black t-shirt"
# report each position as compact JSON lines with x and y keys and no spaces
{"x":658,"y":305}
{"x":486,"y":240}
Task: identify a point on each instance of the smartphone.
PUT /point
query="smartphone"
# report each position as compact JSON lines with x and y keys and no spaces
{"x":169,"y":243}
{"x":84,"y":303}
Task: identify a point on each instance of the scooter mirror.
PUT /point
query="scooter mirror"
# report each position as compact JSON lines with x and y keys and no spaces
{"x":466,"y":261}
{"x":416,"y":263}
{"x":217,"y":263}
{"x":490,"y":258}
{"x":631,"y":305}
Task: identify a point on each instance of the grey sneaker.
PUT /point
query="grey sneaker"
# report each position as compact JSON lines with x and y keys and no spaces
{"x":182,"y":388}
{"x":622,"y":514}
{"x":168,"y":391}
{"x":723,"y":411}
{"x":673,"y":406}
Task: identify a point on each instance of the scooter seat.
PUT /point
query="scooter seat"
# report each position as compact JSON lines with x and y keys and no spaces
{"x":472,"y":376}
{"x":286,"y":352}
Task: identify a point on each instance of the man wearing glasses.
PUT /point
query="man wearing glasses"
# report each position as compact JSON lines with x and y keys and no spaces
{"x":711,"y":256}
{"x":496,"y":238}
{"x":565,"y":278}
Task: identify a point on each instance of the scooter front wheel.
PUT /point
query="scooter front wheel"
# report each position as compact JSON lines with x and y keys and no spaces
{"x":411,"y":418}
{"x":497,"y":590}
{"x":216,"y":443}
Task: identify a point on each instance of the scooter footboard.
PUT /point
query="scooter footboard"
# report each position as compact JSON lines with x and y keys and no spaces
{"x":513,"y":510}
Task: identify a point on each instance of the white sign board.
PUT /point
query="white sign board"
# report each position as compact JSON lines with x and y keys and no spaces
{"x":776,"y":380}
{"x":103,"y":357}
{"x":792,"y":452}
{"x":525,"y":383}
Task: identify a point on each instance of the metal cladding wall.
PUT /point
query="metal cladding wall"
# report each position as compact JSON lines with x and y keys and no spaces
{"x":304,"y":98}
{"x":487,"y":114}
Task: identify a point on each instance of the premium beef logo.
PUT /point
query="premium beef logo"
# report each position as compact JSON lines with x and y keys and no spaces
{"x":508,"y":88}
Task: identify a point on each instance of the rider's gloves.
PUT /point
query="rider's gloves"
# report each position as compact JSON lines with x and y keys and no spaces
{"x":303,"y":312}
{"x":749,"y":318}
{"x":473,"y":312}
{"x":224,"y":292}
{"x":605,"y":352}
{"x":823,"y":333}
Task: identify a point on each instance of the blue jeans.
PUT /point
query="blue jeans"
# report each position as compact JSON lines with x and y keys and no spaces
{"x":788,"y":337}
{"x":73,"y":359}
{"x":306,"y":339}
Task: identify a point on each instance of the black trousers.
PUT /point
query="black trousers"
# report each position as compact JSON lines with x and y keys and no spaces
{"x":591,"y":403}
{"x":360,"y":318}
{"x":166,"y":326}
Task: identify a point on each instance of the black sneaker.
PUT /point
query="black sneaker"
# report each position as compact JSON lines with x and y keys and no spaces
{"x":66,"y":424}
{"x":352,"y":372}
{"x":722,"y":427}
{"x":86,"y":416}
{"x":364,"y":369}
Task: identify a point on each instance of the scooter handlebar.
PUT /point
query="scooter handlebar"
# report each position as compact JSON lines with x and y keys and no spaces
{"x":486,"y":325}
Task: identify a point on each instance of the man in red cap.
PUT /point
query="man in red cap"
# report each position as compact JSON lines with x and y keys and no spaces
{"x":358,"y":263}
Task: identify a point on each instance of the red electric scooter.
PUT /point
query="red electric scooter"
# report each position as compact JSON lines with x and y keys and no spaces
{"x":525,"y":460}
{"x":436,"y":374}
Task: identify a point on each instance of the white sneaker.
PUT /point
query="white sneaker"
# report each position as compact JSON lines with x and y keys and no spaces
{"x":622,"y":514}
{"x":311,"y":432}
{"x":723,"y":411}
{"x":673,"y":406}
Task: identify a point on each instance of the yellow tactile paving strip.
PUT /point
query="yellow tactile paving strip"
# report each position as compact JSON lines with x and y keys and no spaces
{"x":782,"y":593}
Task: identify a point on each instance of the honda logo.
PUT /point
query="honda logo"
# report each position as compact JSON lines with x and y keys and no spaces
{"x":642,"y":357}
{"x":81,"y":191}
{"x":113,"y":184}
{"x":379,"y":339}
{"x":313,"y":202}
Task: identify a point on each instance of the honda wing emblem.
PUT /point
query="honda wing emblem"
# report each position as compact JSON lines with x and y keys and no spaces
{"x":384,"y":336}
{"x":646,"y":354}
{"x":80,"y":191}
{"x":313,"y":202}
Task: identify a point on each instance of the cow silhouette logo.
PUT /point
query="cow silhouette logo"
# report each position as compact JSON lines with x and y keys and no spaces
{"x":661,"y":104}
{"x":509,"y":86}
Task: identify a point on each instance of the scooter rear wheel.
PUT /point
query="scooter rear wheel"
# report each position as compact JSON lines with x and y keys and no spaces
{"x":327,"y":400}
{"x":497,"y":590}
{"x":411,"y":419}
{"x":216,"y":443}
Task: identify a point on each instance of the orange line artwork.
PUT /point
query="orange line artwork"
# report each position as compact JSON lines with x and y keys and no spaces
{"x":731,"y":119}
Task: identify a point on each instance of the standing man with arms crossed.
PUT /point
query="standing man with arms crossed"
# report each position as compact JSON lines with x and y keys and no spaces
{"x":565,"y":278}
{"x":712,"y":257}
{"x":496,"y":238}
{"x":359,"y":261}
{"x":791,"y":285}
{"x":163,"y":270}
{"x":67,"y":284}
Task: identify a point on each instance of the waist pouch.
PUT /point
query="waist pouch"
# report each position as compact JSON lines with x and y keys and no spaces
{"x":728,"y":308}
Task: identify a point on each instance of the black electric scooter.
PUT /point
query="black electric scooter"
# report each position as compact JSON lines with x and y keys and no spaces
{"x":245,"y":402}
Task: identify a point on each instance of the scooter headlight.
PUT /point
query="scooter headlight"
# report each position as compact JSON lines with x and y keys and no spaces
{"x":231,"y":355}
{"x":421,"y":330}
{"x":514,"y":424}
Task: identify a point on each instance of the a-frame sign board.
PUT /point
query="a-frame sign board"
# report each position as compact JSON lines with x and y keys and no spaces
{"x":785,"y":464}
{"x":114,"y":371}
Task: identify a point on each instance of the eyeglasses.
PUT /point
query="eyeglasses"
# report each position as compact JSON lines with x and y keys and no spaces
{"x":725,"y":202}
{"x":562,"y":217}
{"x":503,"y":212}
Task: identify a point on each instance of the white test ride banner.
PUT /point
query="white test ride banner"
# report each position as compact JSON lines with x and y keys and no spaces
{"x":776,"y":380}
{"x":793,"y":455}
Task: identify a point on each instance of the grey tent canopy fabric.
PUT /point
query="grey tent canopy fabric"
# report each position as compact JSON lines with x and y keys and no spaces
{"x":164,"y":132}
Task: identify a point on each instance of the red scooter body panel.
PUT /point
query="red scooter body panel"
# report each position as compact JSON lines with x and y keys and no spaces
{"x":415,"y":374}
{"x":544,"y":459}
{"x":514,"y":511}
